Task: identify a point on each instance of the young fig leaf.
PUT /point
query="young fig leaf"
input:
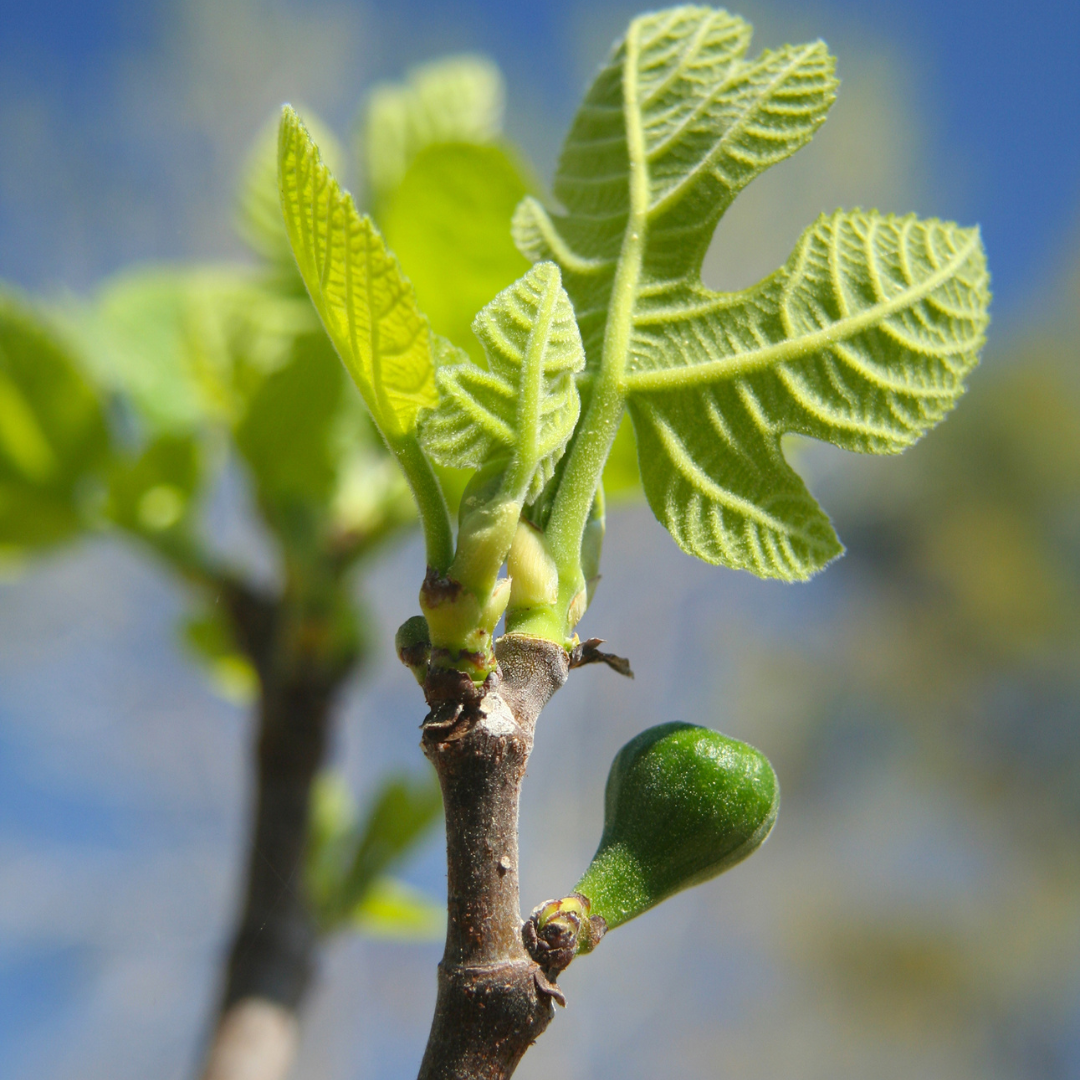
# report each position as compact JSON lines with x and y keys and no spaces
{"x":683,"y":804}
{"x":455,"y":99}
{"x":863,"y":338}
{"x":364,"y":300}
{"x":370,"y":314}
{"x":449,"y":224}
{"x":53,"y":436}
{"x":258,"y":212}
{"x":524,"y":407}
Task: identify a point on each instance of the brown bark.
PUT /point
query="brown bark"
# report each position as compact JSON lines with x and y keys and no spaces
{"x":493,"y":1000}
{"x":272,"y":956}
{"x":256,"y":1040}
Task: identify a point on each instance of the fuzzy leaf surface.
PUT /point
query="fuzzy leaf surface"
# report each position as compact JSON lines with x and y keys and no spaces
{"x":365,"y":302}
{"x":259,"y":219}
{"x":524,"y":406}
{"x":863,"y":338}
{"x":678,"y":105}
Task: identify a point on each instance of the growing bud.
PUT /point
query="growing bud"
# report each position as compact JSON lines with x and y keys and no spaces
{"x":533,"y":575}
{"x":557,"y":930}
{"x":413,"y":644}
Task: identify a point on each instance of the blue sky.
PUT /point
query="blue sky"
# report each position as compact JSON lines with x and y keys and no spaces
{"x":87,"y":183}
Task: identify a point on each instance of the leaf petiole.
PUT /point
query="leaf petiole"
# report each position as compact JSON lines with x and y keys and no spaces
{"x":430,"y":501}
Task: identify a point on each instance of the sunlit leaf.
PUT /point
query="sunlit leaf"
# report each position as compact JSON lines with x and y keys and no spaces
{"x":259,"y":219}
{"x":185,"y":346}
{"x":863,"y":338}
{"x":455,"y":99}
{"x":449,"y":224}
{"x":364,"y":300}
{"x":285,"y":434}
{"x":524,"y":406}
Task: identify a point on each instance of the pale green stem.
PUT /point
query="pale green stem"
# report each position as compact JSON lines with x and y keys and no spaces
{"x":601,"y":421}
{"x":430,"y":501}
{"x":521,"y":472}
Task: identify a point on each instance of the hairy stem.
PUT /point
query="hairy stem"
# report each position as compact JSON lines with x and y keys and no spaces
{"x":493,"y":1000}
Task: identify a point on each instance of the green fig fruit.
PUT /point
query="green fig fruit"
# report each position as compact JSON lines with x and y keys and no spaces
{"x":682,"y":805}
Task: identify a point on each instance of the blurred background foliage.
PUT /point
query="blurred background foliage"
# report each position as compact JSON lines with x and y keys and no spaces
{"x":917,"y":911}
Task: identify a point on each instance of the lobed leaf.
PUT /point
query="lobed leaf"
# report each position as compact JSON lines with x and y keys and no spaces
{"x":524,"y":406}
{"x":458,"y":99}
{"x":678,"y":106}
{"x":863,"y":338}
{"x":366,"y":304}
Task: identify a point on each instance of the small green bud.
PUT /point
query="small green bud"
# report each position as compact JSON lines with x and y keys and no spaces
{"x":592,"y":541}
{"x":682,"y":805}
{"x":486,"y":524}
{"x":559,"y":930}
{"x":484,"y":540}
{"x":576,"y":611}
{"x":413,"y":644}
{"x":463,"y":606}
{"x":534,"y":578}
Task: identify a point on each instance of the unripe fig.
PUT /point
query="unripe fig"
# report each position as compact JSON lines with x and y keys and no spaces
{"x":682,"y":805}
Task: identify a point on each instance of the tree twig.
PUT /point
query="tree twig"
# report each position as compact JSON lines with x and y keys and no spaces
{"x":493,"y":999}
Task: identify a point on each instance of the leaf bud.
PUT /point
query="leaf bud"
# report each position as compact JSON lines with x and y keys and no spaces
{"x":534,"y":577}
{"x":413,"y":644}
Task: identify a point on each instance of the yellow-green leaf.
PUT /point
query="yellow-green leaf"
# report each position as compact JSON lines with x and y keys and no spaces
{"x":863,"y":338}
{"x":365,"y":302}
{"x":523,"y":407}
{"x":259,"y":219}
{"x":392,"y":909}
{"x":449,"y":224}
